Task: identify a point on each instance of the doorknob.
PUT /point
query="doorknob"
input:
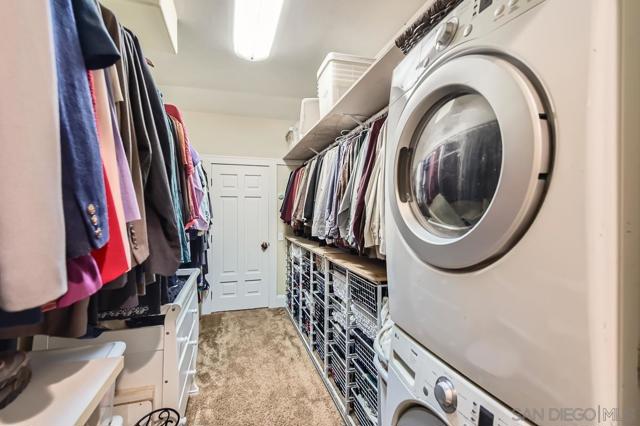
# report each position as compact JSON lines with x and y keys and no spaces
{"x":264,"y":245}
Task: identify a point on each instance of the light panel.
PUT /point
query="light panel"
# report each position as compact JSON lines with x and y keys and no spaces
{"x":254,"y":27}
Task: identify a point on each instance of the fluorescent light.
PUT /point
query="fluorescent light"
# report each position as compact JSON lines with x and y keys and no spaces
{"x":254,"y":27}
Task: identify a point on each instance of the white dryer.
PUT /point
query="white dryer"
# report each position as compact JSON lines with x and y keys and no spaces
{"x":504,"y":219}
{"x":424,"y":391}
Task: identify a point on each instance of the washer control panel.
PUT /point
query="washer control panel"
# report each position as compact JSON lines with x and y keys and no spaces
{"x":443,"y":390}
{"x":445,"y":394}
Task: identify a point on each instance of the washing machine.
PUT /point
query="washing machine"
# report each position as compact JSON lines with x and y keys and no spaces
{"x":424,"y":391}
{"x":505,"y":215}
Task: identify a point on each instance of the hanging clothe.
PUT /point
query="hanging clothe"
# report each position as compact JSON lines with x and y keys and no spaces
{"x":31,"y":156}
{"x":100,"y":161}
{"x":339,"y":194}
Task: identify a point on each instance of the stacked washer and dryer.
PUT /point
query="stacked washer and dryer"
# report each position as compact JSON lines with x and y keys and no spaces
{"x":512,"y":215}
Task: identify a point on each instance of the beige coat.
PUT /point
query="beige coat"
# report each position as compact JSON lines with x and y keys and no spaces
{"x":32,"y":230}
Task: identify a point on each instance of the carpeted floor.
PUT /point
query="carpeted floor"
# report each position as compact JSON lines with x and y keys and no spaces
{"x":254,"y":370}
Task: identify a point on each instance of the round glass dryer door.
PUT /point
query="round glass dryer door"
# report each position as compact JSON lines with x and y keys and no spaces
{"x":472,"y":156}
{"x":419,"y":416}
{"x":455,"y":165}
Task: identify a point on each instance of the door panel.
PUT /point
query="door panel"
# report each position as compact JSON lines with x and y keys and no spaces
{"x":240,"y":267}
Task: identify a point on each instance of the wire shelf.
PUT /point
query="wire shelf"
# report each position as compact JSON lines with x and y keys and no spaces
{"x":364,"y":321}
{"x":318,"y":299}
{"x":364,"y":294}
{"x":338,"y":317}
{"x":340,"y":339}
{"x":318,"y":318}
{"x":318,"y":281}
{"x":367,"y":388}
{"x":337,"y":352}
{"x":364,"y":351}
{"x":339,"y":286}
{"x":306,"y":283}
{"x":339,"y":375}
{"x":306,"y":322}
{"x":306,"y":266}
{"x":364,"y":418}
{"x":319,"y":345}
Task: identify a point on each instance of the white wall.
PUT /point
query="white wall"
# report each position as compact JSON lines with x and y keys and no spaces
{"x":236,"y":135}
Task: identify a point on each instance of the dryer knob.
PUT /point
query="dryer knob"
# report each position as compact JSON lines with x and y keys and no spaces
{"x":446,"y":395}
{"x":445,"y":33}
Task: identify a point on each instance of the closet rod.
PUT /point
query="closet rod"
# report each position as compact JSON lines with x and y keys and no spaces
{"x":370,"y":120}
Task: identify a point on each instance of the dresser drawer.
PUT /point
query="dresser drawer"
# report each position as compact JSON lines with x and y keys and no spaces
{"x":188,"y":318}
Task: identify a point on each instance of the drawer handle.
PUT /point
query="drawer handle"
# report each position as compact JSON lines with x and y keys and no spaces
{"x":193,"y":311}
{"x":193,"y":342}
{"x":191,"y":372}
{"x":182,"y":339}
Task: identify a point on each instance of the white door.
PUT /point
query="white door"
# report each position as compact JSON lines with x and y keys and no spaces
{"x":240,"y":239}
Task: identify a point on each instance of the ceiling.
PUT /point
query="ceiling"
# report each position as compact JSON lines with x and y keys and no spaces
{"x":206,"y":75}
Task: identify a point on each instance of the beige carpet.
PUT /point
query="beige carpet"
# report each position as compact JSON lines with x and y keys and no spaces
{"x":254,"y":370}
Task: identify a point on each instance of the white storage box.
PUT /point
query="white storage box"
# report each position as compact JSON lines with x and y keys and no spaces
{"x":336,"y":75}
{"x":309,"y":114}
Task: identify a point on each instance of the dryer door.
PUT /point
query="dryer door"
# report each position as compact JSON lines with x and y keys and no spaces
{"x":418,"y":415}
{"x":472,"y":153}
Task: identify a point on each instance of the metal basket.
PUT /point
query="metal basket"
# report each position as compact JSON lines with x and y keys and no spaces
{"x":339,"y":285}
{"x":367,"y":387}
{"x":306,"y":265}
{"x":318,"y":313}
{"x":340,"y":340}
{"x":318,"y":280}
{"x":339,"y":317}
{"x":364,"y":321}
{"x":319,"y":345}
{"x":306,"y":282}
{"x":364,"y":417}
{"x":364,"y":351}
{"x":339,"y":373}
{"x":364,"y":294}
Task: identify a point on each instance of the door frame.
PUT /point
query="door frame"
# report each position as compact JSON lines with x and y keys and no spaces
{"x":274,"y":301}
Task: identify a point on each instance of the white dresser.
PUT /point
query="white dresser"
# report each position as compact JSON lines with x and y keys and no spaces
{"x":170,"y":348}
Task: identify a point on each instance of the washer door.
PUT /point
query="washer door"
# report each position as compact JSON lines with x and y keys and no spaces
{"x":419,"y":416}
{"x":471,"y":161}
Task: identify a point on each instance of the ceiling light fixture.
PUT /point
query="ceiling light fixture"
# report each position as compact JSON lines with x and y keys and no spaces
{"x":254,"y":27}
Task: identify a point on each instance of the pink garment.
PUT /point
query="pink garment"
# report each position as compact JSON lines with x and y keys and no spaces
{"x":189,"y":168}
{"x":129,"y":200}
{"x":83,"y":280}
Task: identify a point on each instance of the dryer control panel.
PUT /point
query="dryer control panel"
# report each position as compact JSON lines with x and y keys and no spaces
{"x":443,"y":390}
{"x":470,"y":20}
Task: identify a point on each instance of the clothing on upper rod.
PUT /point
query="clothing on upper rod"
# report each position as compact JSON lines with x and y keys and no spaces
{"x":361,"y":125}
{"x":337,"y":195}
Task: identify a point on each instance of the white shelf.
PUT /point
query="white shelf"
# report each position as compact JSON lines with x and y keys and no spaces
{"x":148,"y":18}
{"x":63,"y":390}
{"x":367,"y":96}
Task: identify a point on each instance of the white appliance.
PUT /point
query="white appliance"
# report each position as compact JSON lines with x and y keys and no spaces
{"x":510,"y":203}
{"x":424,"y":391}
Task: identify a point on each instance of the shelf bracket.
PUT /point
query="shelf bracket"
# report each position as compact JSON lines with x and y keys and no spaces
{"x":313,"y":150}
{"x":353,"y":117}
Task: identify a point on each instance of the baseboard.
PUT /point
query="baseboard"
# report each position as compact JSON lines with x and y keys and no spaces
{"x":280,"y":302}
